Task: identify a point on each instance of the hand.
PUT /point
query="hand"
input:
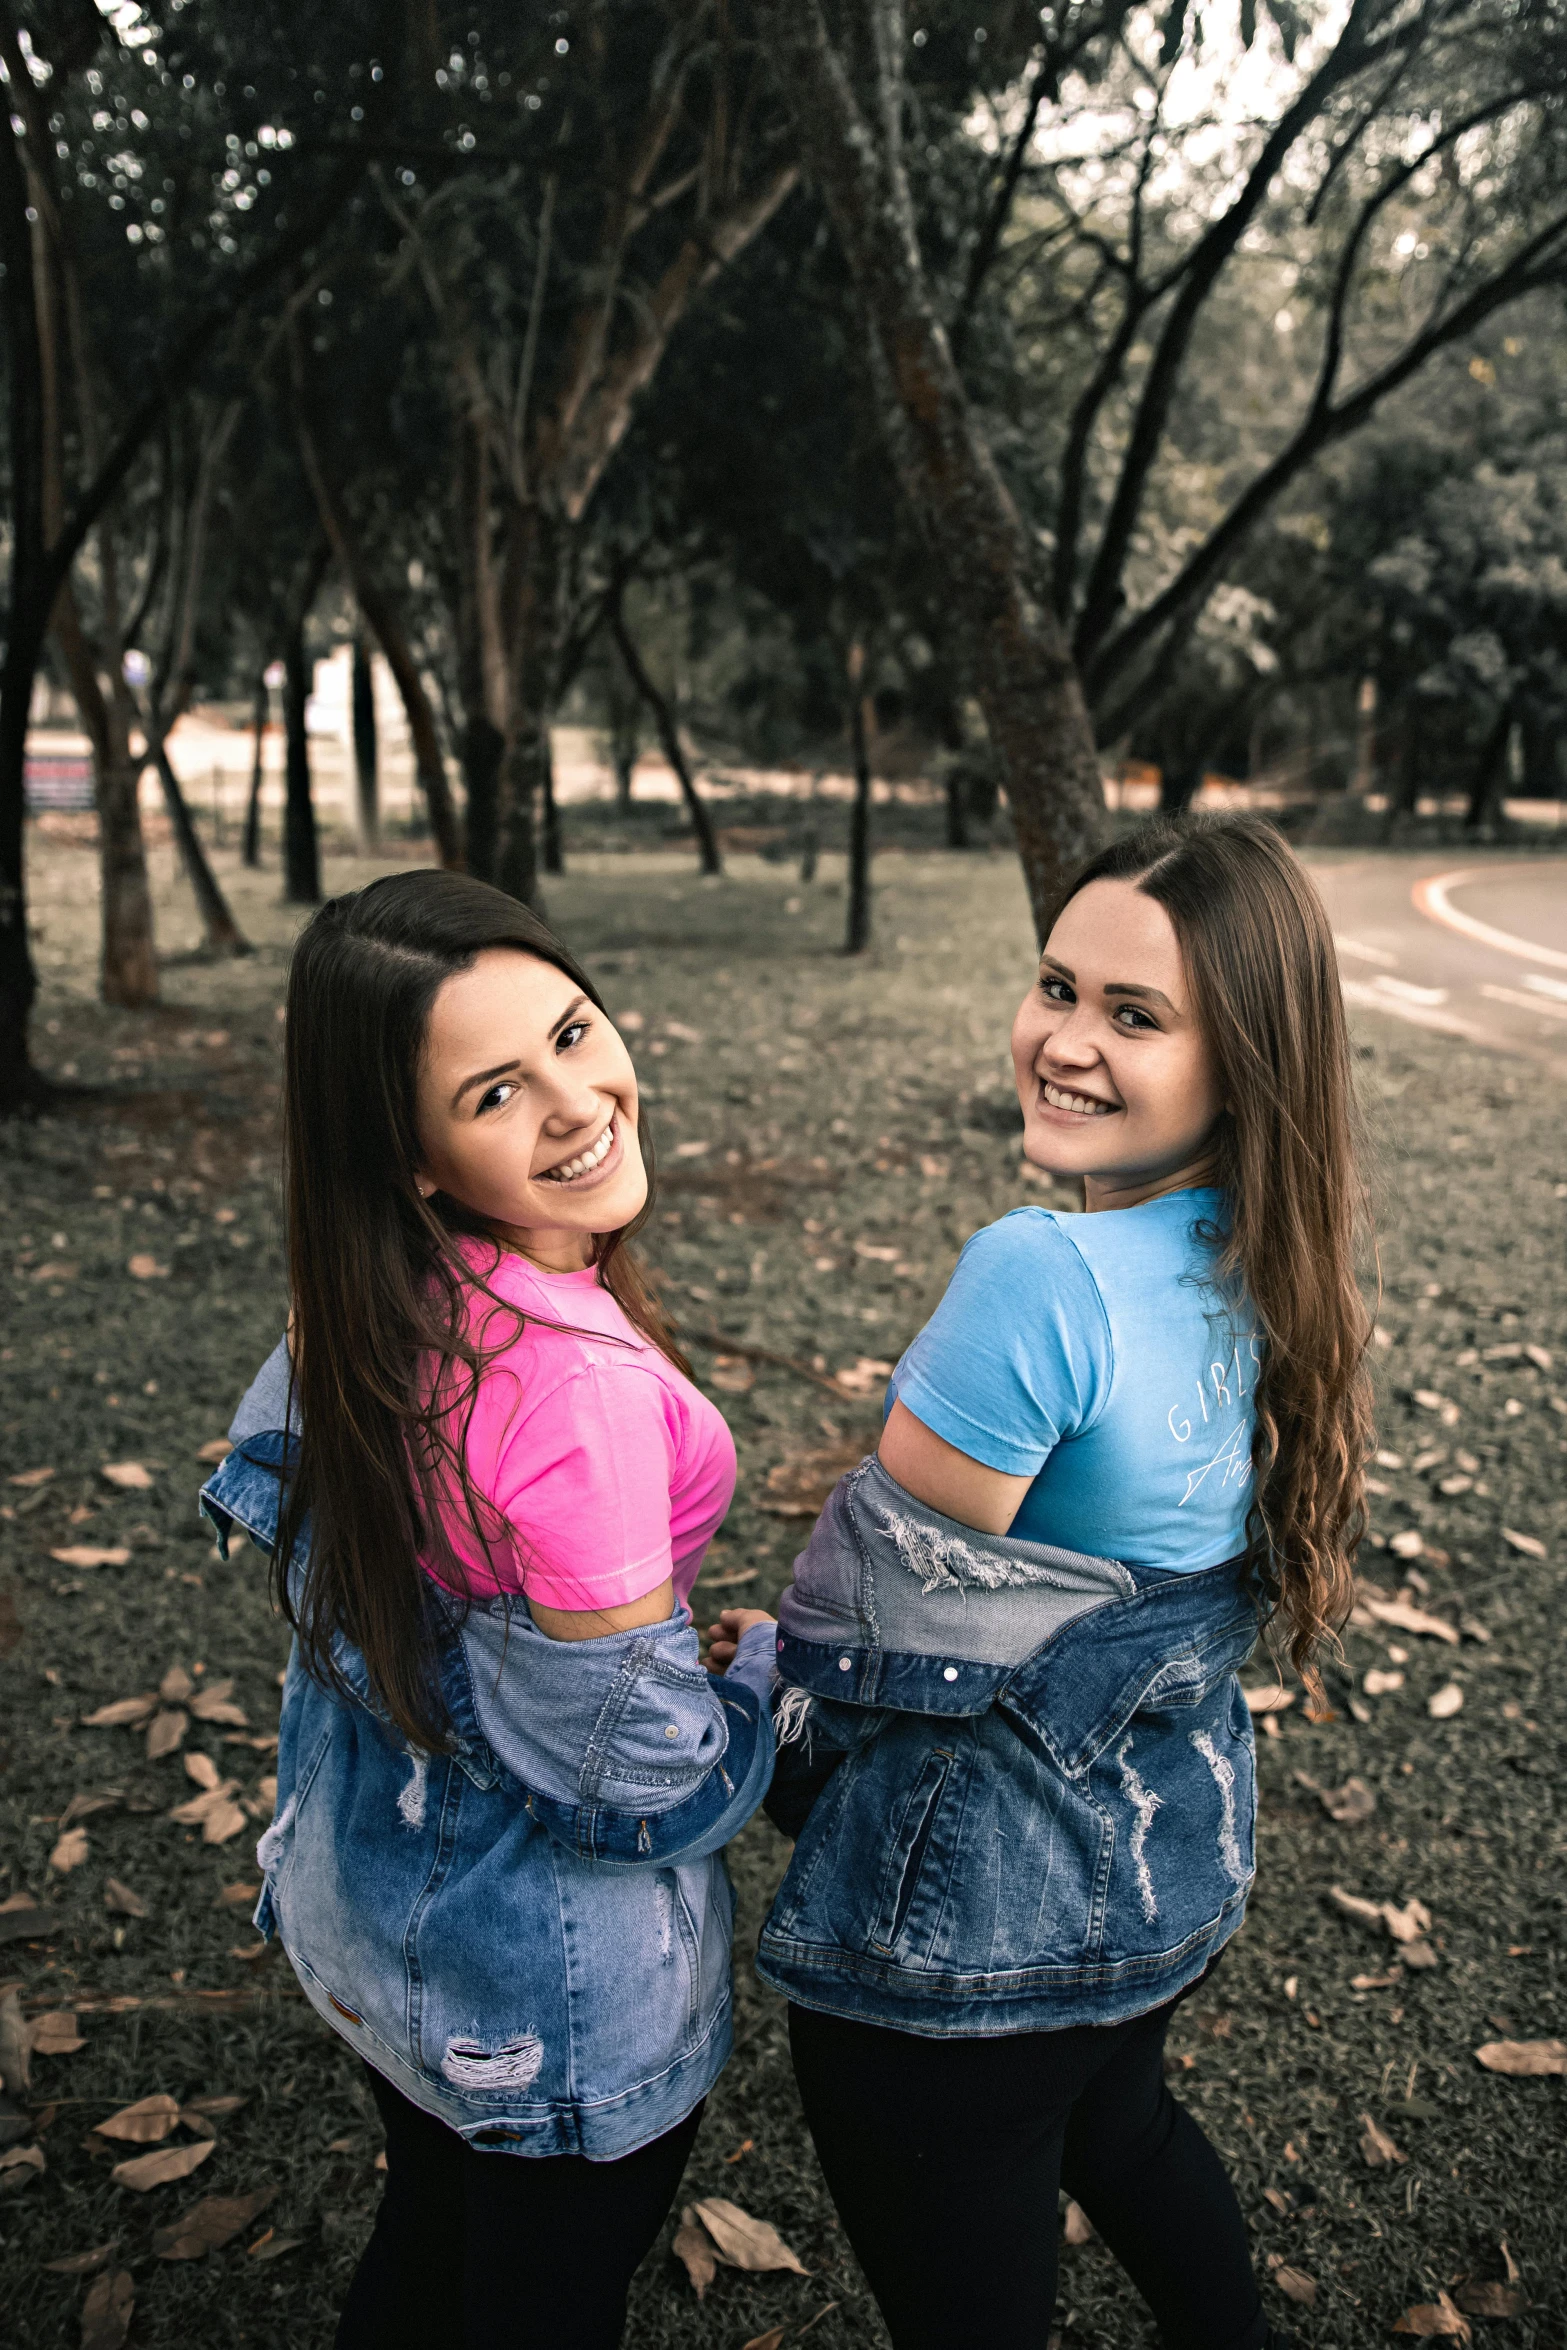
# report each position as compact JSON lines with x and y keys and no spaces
{"x":725,"y":1634}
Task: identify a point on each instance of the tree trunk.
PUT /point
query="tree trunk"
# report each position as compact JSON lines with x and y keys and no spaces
{"x":129,"y":970}
{"x":301,"y":850}
{"x":224,"y":936}
{"x":483,"y":749}
{"x":625,"y":737}
{"x":957,"y":808}
{"x":857,"y":934}
{"x":366,"y":751}
{"x":1490,"y":774}
{"x":252,"y":848}
{"x":669,"y":737}
{"x":1404,"y":795}
{"x":552,"y":844}
{"x":1017,"y":657}
{"x":381,"y":615}
{"x":1179,"y":783}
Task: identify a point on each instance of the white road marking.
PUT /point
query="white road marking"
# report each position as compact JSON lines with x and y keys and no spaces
{"x":1407,"y":992}
{"x":1556,"y":988}
{"x":1362,"y":953}
{"x":1430,"y":897}
{"x":1446,"y":1023}
{"x":1527,"y":1003}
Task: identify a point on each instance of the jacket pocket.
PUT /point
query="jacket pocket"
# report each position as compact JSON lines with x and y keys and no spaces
{"x":906,"y":1856}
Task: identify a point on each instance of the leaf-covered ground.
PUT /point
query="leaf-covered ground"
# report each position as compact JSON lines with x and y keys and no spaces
{"x":829,"y":1134}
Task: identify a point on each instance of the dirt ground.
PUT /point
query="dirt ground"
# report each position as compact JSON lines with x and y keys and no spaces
{"x":829,"y":1133}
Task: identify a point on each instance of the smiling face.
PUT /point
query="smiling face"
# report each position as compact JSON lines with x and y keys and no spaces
{"x":1115,"y":1076}
{"x":528,"y":1108}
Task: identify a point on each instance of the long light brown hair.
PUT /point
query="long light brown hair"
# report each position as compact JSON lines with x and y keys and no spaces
{"x":1259,"y":957}
{"x":386,"y":1361}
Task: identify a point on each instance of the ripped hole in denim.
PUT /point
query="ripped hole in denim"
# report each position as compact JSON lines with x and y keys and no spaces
{"x":1144,"y":1803}
{"x":1224,"y":1779}
{"x":467,"y":2064}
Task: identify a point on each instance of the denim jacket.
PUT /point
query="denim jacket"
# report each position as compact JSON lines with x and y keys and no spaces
{"x":528,"y":1934}
{"x":1022,"y":1780}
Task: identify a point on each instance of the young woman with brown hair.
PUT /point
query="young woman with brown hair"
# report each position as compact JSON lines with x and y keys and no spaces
{"x":487,"y":1484}
{"x":1014,"y":1748}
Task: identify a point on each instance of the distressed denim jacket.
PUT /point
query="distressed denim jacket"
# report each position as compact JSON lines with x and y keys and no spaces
{"x":529,"y":1934}
{"x":1022,"y":1780}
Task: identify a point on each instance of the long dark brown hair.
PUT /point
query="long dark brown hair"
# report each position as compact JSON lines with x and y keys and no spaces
{"x":1259,"y":956}
{"x":386,"y":1363}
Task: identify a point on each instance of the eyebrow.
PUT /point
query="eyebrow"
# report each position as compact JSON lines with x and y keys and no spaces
{"x":1147,"y":995}
{"x":504,"y":1068}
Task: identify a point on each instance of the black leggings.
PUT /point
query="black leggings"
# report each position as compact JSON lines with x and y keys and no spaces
{"x":944,"y":2158}
{"x":476,"y":2251}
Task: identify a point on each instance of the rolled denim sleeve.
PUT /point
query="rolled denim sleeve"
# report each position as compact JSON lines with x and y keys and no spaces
{"x":623,"y":1747}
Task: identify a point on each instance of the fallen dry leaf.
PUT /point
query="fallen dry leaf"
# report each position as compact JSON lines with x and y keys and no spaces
{"x":1077,"y":2227}
{"x":226,"y":2101}
{"x":106,"y":2312}
{"x":56,"y":2033}
{"x":175,"y":1686}
{"x":1490,"y":2300}
{"x":165,"y":1732}
{"x":31,"y":1477}
{"x":82,"y":1807}
{"x":863,"y":1375}
{"x":1439,"y":2317}
{"x":798,"y":1487}
{"x":1268,"y":1701}
{"x":1406,"y":1924}
{"x":202,"y":1769}
{"x":1408,"y":1544}
{"x":143,"y":1267}
{"x":129,"y":1476}
{"x":141,"y":2124}
{"x":1376,"y":2146}
{"x":1380,"y":1684}
{"x":1403,"y":1616}
{"x":238,"y":1897}
{"x":161,"y":2168}
{"x":1443,"y":1703}
{"x":728,"y":1578}
{"x":1293,"y":2283}
{"x":1354,"y":1905}
{"x":80,"y":2264}
{"x":694,"y":2248}
{"x":70,"y":1851}
{"x":19,"y":2166}
{"x":92,"y":1554}
{"x":1347,"y":1805}
{"x":272,"y":2246}
{"x":216,"y":1449}
{"x":743,"y":2242}
{"x":15,"y":2045}
{"x":125,"y":1713}
{"x":768,"y":2341}
{"x":209,"y":2224}
{"x":214,"y":1703}
{"x":1524,"y":2060}
{"x":1530,"y":1544}
{"x":733,"y":1374}
{"x":122,"y":1900}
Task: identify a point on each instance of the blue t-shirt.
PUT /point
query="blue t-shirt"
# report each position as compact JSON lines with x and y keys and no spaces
{"x":1094,"y":1354}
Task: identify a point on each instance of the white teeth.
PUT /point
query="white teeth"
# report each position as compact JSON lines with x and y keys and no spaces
{"x":585,"y":1162}
{"x":1083,"y":1103}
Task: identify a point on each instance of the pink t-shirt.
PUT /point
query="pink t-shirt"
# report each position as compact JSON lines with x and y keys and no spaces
{"x":608,"y":1468}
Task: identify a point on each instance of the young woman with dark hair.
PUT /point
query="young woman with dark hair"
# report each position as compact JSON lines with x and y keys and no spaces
{"x":1012,"y":1742}
{"x":487,"y":1484}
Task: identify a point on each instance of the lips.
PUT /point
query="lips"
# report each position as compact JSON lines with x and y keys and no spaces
{"x":1081,"y":1105}
{"x":585,"y":1163}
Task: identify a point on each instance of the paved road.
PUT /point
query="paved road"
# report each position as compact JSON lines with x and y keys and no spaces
{"x":1471,"y":946}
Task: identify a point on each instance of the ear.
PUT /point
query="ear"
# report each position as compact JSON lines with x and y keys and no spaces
{"x":425,"y":1188}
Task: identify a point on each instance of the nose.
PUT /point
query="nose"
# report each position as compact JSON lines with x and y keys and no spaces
{"x":1070,"y":1045}
{"x":575,"y":1106}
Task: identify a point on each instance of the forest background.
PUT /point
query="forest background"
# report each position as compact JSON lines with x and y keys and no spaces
{"x":992,"y":395}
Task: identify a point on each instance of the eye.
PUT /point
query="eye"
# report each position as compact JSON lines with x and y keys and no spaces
{"x":497,"y":1097}
{"x":1056,"y":991}
{"x":572,"y":1034}
{"x":1132,"y":1017}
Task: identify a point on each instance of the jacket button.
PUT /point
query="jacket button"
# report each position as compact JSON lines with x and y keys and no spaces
{"x":950,"y":1673}
{"x":844,"y":1664}
{"x":672,"y":1730}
